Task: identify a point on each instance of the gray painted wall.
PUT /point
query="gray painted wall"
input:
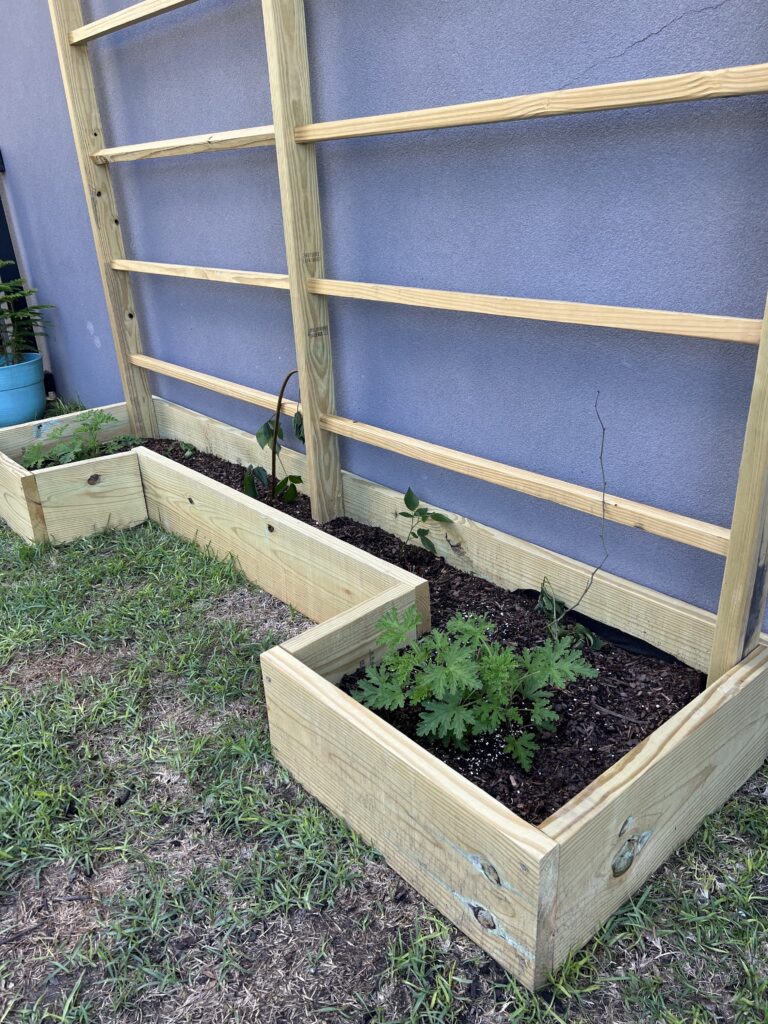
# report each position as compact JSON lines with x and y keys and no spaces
{"x":658,"y":207}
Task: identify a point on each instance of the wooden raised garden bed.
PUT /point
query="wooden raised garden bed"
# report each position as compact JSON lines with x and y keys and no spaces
{"x":525,"y":892}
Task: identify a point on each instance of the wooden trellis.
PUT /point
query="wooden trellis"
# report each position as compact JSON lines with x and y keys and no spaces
{"x":295,"y":134}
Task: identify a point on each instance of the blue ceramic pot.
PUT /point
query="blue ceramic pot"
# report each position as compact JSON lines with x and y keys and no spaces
{"x":22,"y":393}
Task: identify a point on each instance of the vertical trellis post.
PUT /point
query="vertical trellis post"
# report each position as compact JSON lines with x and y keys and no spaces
{"x":286,"y":38}
{"x":66,"y":17}
{"x":745,"y":580}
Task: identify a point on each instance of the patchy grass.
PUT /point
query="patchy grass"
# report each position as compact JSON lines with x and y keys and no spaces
{"x":157,"y":865}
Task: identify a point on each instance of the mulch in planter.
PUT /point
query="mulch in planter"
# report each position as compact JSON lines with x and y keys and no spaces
{"x":636,"y":690}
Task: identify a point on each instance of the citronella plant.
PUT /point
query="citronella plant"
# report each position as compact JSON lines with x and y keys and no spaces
{"x":464,"y":684}
{"x":418,"y":515}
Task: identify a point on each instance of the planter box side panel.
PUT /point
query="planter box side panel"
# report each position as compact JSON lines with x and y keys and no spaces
{"x":616,"y":833}
{"x":680,"y":629}
{"x":349,"y":641}
{"x":674,"y":626}
{"x":89,"y":497}
{"x":15,"y":440}
{"x":488,"y":871}
{"x":217,"y":438}
{"x":313,"y":572}
{"x":19,"y":501}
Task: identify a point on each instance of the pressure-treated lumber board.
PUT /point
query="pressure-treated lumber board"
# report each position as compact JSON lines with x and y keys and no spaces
{"x":671,"y":525}
{"x":316,"y":573}
{"x":745,"y":579}
{"x":651,"y":800}
{"x":15,"y":440}
{"x":211,"y":435}
{"x":458,"y":846}
{"x":674,"y":626}
{"x":89,"y":497}
{"x":17,"y":494}
{"x":286,"y":39}
{"x":211,"y":142}
{"x":221,"y":387}
{"x":255,"y":278}
{"x":350,"y":640}
{"x":693,"y":85}
{"x":122,"y":19}
{"x":80,"y":92}
{"x":678,"y":628}
{"x":655,"y":321}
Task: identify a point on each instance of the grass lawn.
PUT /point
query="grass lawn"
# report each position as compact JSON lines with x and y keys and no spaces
{"x":157,"y":865}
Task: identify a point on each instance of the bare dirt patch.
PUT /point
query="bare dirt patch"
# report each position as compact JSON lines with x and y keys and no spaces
{"x":28,"y":672}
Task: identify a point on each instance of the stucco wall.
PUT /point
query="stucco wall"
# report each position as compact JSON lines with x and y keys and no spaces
{"x":658,"y":207}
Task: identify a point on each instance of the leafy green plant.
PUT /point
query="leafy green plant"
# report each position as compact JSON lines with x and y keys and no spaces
{"x":418,"y":514}
{"x":269,"y":435}
{"x":20,"y":320}
{"x":83,"y":442}
{"x":464,"y":684}
{"x":555,"y":611}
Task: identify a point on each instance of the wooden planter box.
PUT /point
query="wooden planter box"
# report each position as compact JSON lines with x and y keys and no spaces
{"x":63,"y":503}
{"x":526,"y":894}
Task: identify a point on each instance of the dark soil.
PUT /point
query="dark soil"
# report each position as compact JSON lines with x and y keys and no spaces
{"x":601,"y":719}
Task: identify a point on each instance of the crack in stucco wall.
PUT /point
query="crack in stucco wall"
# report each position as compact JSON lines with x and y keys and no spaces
{"x":693,"y":12}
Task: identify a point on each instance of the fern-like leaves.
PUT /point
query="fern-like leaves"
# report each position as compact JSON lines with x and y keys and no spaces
{"x":463,"y":684}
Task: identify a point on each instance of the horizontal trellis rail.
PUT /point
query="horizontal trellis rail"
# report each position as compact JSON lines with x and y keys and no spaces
{"x":654,"y":321}
{"x":213,"y":142}
{"x":123,"y":19}
{"x":222,"y":387}
{"x":692,"y":532}
{"x":254,"y":278}
{"x":693,"y":85}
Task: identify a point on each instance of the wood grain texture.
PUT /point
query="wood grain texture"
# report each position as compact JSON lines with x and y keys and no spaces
{"x":741,"y":609}
{"x":469,"y":856}
{"x":678,"y":628}
{"x":286,"y":40}
{"x":683,"y":529}
{"x":254,"y":278}
{"x":85,"y":498}
{"x":655,"y":797}
{"x":15,"y":440}
{"x":210,"y":435}
{"x":693,"y":85}
{"x":349,"y":641}
{"x":210,"y":383}
{"x":80,"y":92}
{"x":122,"y":19}
{"x":15,"y":501}
{"x":211,"y":142}
{"x":315,"y":573}
{"x":655,"y":321}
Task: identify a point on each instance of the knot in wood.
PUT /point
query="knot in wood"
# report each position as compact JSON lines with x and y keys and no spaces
{"x":625,"y":858}
{"x":94,"y":478}
{"x":484,"y":918}
{"x":490,"y":872}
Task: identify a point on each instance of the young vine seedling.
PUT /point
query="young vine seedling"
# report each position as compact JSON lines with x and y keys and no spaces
{"x":418,"y":515}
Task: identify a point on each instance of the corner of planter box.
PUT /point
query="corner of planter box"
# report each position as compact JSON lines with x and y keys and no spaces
{"x":491,"y":873}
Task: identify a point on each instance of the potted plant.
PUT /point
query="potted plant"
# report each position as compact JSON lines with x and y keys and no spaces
{"x":22,"y":392}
